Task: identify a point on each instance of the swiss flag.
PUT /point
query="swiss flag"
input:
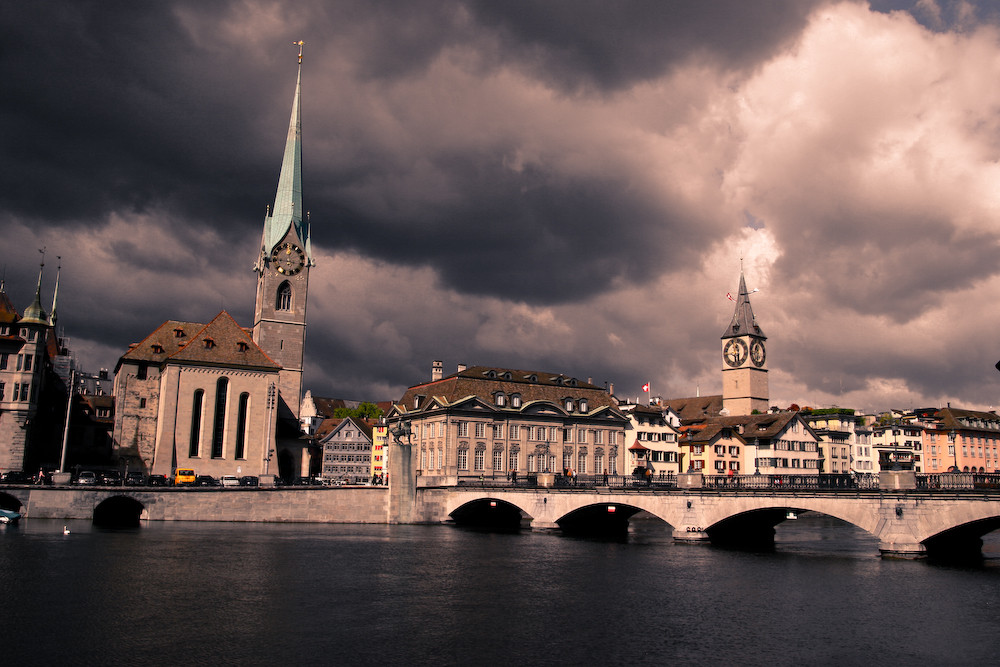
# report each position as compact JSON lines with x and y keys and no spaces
{"x":645,"y":387}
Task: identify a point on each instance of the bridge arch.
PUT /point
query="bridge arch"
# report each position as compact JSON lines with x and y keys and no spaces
{"x":490,"y":513}
{"x":9,"y":502}
{"x":119,"y":511}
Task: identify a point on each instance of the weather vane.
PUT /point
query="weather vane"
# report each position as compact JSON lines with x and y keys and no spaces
{"x":299,"y":44}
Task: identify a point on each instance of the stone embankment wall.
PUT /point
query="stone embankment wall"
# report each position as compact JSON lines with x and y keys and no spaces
{"x":316,"y":505}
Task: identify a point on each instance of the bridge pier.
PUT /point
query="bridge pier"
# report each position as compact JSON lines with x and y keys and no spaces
{"x":690,"y":534}
{"x":902,"y":550}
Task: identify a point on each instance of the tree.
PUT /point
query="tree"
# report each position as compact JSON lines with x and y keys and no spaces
{"x":366,"y":410}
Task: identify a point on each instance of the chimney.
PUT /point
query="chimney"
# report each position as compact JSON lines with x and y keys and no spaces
{"x":611,"y":388}
{"x":461,"y":367}
{"x":437,"y":370}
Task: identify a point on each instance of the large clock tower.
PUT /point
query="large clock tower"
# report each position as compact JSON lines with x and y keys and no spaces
{"x":282,"y":268}
{"x":744,"y":361}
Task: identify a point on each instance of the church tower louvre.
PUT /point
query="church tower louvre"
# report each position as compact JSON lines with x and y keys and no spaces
{"x":744,"y":360}
{"x":282,"y":267}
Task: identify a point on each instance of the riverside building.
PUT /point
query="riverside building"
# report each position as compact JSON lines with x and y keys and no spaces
{"x":490,"y":422}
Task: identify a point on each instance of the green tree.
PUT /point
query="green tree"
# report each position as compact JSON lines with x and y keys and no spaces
{"x":366,"y":410}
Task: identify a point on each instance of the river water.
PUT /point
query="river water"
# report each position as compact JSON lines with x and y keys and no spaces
{"x":249,"y":594}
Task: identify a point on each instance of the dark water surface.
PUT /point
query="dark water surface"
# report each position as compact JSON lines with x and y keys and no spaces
{"x":248,"y":594}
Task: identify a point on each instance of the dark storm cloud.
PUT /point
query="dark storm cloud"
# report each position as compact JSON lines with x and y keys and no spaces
{"x":614,"y":45}
{"x":569,"y":186}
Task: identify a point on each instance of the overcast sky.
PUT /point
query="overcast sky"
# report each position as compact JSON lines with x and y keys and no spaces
{"x":561,"y":186}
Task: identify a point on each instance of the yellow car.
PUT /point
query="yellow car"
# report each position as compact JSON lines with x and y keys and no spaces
{"x":183,"y":476}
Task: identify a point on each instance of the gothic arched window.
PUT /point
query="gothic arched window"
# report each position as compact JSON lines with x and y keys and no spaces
{"x":241,"y":426}
{"x":219,"y":426}
{"x":195,"y":443}
{"x":284,"y":297}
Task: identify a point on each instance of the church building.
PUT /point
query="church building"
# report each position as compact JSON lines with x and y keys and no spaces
{"x":213,"y":396}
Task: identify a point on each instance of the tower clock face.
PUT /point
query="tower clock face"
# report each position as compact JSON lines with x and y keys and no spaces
{"x":288,"y":259}
{"x":757,"y":353}
{"x":735,"y":352}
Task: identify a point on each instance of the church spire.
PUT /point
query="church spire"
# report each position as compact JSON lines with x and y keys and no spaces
{"x":287,"y":212}
{"x":53,"y":318}
{"x":35,"y":314}
{"x":743,"y":323}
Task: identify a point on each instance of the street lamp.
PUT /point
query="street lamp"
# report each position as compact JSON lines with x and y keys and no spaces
{"x":895,"y":450}
{"x":954,"y":448}
{"x":756,"y":456}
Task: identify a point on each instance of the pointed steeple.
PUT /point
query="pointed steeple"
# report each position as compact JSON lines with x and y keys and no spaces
{"x":743,"y":322}
{"x":287,"y":211}
{"x":35,"y":314}
{"x":53,"y":318}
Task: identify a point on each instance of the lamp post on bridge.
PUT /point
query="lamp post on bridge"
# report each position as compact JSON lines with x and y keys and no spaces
{"x":756,"y":457}
{"x":952,"y":436}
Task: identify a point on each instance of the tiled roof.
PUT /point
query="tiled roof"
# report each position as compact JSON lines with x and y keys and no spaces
{"x":8,"y":314}
{"x":484,"y":382}
{"x":221,"y":342}
{"x":695,"y":408}
{"x":949,"y":418}
{"x":328,"y":426}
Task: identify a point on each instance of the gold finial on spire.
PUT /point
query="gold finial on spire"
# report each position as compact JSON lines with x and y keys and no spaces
{"x":299,"y":44}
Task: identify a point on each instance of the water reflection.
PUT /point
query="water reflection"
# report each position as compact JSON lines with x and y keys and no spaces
{"x":265,"y":593}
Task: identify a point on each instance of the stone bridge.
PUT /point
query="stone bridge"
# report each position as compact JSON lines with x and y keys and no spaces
{"x":907,"y":524}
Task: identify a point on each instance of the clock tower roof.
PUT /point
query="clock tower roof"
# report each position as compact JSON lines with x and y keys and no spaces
{"x":743,"y":323}
{"x":287,"y":212}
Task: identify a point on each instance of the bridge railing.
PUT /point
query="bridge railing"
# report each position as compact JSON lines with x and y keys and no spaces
{"x":979,"y":482}
{"x":959,"y":481}
{"x":831,"y":482}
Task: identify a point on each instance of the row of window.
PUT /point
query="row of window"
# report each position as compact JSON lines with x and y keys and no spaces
{"x":793,"y":446}
{"x":778,"y":462}
{"x":536,"y":433}
{"x":348,"y":458}
{"x":26,"y":333}
{"x":22,"y":392}
{"x":655,"y":437}
{"x":23,"y":362}
{"x":218,"y":439}
{"x":535,"y":463}
{"x":347,"y":447}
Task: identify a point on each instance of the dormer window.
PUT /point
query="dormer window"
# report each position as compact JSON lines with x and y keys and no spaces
{"x":178,"y":333}
{"x":417,"y":400}
{"x":157,"y":349}
{"x":531,"y":378}
{"x":568,"y":403}
{"x":515,"y":400}
{"x":507,"y":375}
{"x":242,"y":346}
{"x":571,"y":382}
{"x":209,"y":343}
{"x":500,"y":399}
{"x":491,"y":375}
{"x":583,"y":405}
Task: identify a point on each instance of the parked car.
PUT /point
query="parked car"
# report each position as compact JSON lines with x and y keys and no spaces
{"x":110,"y":478}
{"x":135,"y":479}
{"x":86,"y":478}
{"x":205,"y":480}
{"x":158,"y":480}
{"x":16,"y":477}
{"x":249,"y":480}
{"x":229,"y":480}
{"x":184,"y":477}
